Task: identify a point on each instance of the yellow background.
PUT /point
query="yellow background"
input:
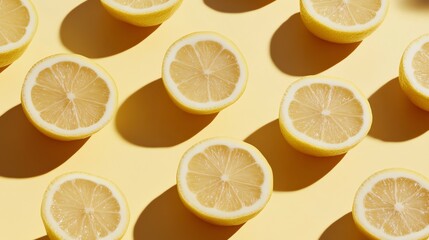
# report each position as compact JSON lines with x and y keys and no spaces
{"x":140,"y":149}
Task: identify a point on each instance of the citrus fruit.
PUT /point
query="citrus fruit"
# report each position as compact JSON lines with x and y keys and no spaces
{"x":204,"y":72}
{"x":18,"y":23}
{"x":68,"y":97}
{"x":393,"y":204}
{"x":414,"y":72}
{"x":224,"y":181}
{"x":324,"y":116}
{"x":143,"y":13}
{"x":82,"y":206}
{"x":343,"y":21}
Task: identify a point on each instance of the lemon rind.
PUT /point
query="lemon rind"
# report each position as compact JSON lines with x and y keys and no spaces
{"x":216,"y":216}
{"x":358,"y":209}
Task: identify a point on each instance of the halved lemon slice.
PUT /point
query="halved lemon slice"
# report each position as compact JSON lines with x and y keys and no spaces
{"x":143,"y":13}
{"x":204,"y":72}
{"x":18,"y":23}
{"x":324,"y":116}
{"x":82,"y":206}
{"x":224,"y":181}
{"x":68,"y":97}
{"x":414,"y":72}
{"x":343,"y":21}
{"x":393,"y":204}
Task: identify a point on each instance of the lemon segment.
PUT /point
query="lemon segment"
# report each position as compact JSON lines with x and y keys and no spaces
{"x":414,"y":72}
{"x":324,"y":116}
{"x":18,"y":24}
{"x":68,"y":97}
{"x":82,"y":206}
{"x":204,"y":72}
{"x":393,"y":204}
{"x":142,"y":13}
{"x":343,"y":21}
{"x":224,"y":181}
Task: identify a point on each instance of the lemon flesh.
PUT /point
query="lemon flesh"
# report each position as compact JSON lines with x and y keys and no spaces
{"x":68,"y":97}
{"x":393,"y":204}
{"x":18,"y":22}
{"x":414,"y":72}
{"x":81,"y":206}
{"x":204,"y":73}
{"x":343,"y":21}
{"x":224,"y":183}
{"x":142,"y":13}
{"x":324,"y":117}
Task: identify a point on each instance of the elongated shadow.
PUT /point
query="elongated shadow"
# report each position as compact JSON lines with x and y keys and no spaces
{"x":395,"y":117}
{"x":89,"y":30}
{"x":343,"y":228}
{"x":167,"y":218}
{"x":42,"y":238}
{"x":3,"y":68}
{"x":415,"y":4}
{"x":292,"y":170}
{"x":236,"y":6}
{"x":149,"y":118}
{"x":25,"y":152}
{"x":297,"y":52}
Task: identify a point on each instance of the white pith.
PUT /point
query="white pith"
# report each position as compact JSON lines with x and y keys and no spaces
{"x":288,"y":123}
{"x":266,"y":186}
{"x":30,"y":82}
{"x":354,"y":28}
{"x":409,"y":54}
{"x":136,"y":11}
{"x":366,"y":187}
{"x":30,"y":29}
{"x":56,"y":184}
{"x":192,"y":39}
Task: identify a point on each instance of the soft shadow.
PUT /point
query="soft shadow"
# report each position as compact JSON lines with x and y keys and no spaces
{"x":343,"y":228}
{"x":167,"y":218}
{"x":149,"y":118}
{"x":295,"y":51}
{"x":236,"y":6}
{"x":3,"y":68}
{"x":25,"y":152}
{"x":415,"y":4}
{"x":292,"y":170}
{"x":395,"y":117}
{"x":42,"y":238}
{"x":89,"y":30}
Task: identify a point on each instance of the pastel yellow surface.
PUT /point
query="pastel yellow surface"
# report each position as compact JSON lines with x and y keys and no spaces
{"x":141,"y":148}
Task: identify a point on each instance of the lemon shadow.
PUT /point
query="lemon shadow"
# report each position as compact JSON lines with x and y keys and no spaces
{"x":292,"y":169}
{"x":236,"y":6}
{"x":395,"y":117}
{"x":149,"y":118}
{"x":42,"y":238}
{"x":89,"y":30}
{"x":343,"y":228}
{"x":25,"y":152}
{"x":4,"y":68}
{"x":415,"y":4}
{"x":297,"y":52}
{"x":167,"y":218}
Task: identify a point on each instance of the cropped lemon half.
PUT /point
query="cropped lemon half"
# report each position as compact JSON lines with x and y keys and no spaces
{"x":68,"y":97}
{"x":343,"y":21}
{"x":204,"y":72}
{"x":414,"y":72}
{"x":324,"y":116}
{"x":82,"y":206}
{"x":224,"y":181}
{"x":18,"y":23}
{"x":393,"y":204}
{"x":143,"y":13}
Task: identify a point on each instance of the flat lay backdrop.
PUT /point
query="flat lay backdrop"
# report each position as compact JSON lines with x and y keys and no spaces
{"x":141,"y":147}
